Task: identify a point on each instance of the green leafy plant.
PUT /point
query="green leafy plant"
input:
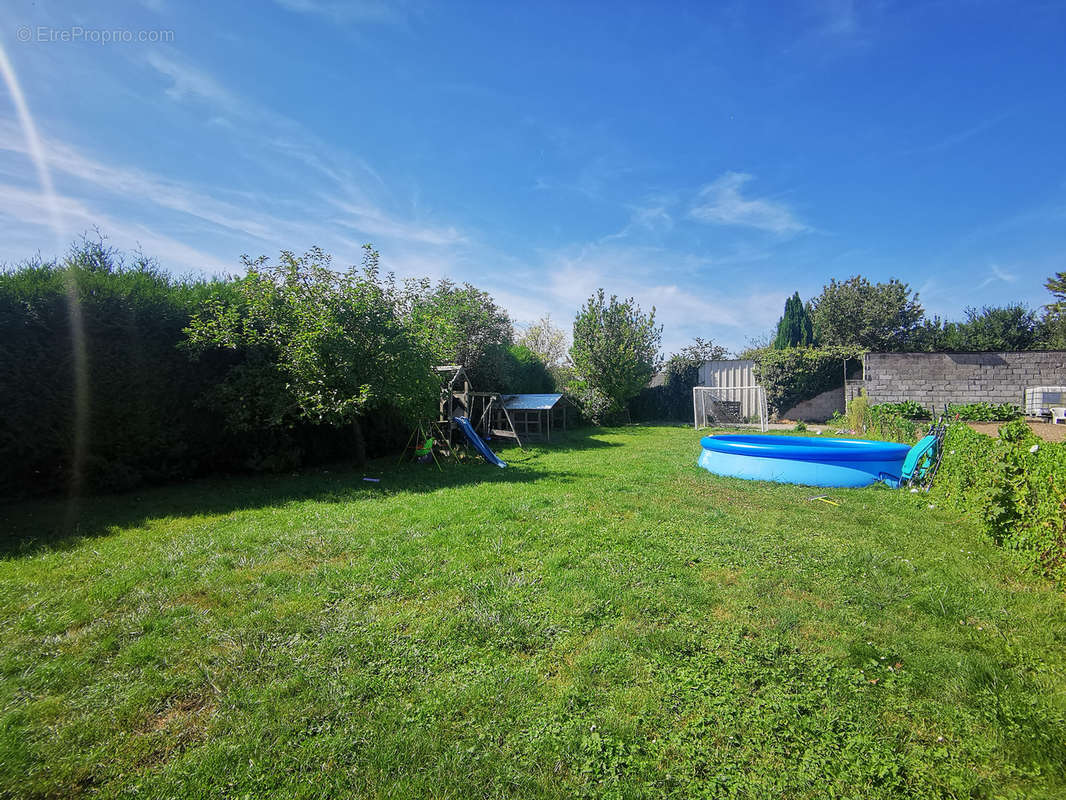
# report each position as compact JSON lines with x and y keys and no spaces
{"x":1015,"y":485}
{"x":546,"y":341}
{"x":908,"y":409}
{"x":891,"y":426}
{"x":457,"y":324}
{"x":876,"y":422}
{"x":672,"y":400}
{"x":122,"y":320}
{"x":526,"y":373}
{"x":984,"y":412}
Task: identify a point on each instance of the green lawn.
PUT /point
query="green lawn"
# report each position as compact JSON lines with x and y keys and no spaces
{"x":603,"y":618}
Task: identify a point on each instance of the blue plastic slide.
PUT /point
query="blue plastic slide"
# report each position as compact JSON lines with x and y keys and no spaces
{"x":475,"y":440}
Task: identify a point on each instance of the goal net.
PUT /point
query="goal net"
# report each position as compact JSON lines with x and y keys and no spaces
{"x":729,"y":405}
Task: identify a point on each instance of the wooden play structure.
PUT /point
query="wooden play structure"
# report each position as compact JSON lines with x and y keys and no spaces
{"x":485,"y":410}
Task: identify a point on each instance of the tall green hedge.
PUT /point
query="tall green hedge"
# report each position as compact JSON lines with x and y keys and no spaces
{"x":143,"y":421}
{"x":795,"y":374}
{"x":1015,"y":485}
{"x":158,"y":409}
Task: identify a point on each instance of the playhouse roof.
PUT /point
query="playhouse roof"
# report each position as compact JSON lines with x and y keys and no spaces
{"x":531,"y":402}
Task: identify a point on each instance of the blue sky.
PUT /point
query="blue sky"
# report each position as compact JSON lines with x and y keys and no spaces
{"x":708,"y":159}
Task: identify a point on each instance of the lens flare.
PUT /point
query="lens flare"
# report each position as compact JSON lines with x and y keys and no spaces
{"x":78,"y":349}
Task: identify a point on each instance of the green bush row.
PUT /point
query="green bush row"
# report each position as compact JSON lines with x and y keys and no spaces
{"x":1015,"y":485}
{"x":173,"y":378}
{"x":984,"y":412}
{"x":908,"y":409}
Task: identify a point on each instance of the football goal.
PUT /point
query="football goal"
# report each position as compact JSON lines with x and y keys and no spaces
{"x":729,"y":405}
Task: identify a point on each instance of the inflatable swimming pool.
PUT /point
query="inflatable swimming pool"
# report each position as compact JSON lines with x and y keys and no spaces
{"x":810,"y":460}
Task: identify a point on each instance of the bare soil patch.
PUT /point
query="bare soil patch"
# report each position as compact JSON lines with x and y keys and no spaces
{"x":1045,"y":430}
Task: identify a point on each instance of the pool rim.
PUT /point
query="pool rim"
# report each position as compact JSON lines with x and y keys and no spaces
{"x":804,"y":448}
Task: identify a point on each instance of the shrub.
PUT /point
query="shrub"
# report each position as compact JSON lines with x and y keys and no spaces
{"x":908,"y":409}
{"x":984,"y":412}
{"x":796,"y":374}
{"x":890,"y":426}
{"x":876,"y":422}
{"x":280,"y":364}
{"x":1014,"y":485}
{"x":857,"y":415}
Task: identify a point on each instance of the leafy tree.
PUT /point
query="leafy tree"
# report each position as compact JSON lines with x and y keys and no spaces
{"x":683,"y":366}
{"x":615,"y":353}
{"x":1056,"y":284}
{"x":795,"y":328}
{"x":682,"y":371}
{"x":460,"y":324}
{"x":1012,"y":327}
{"x":547,"y":341}
{"x":795,"y":374}
{"x":857,"y":313}
{"x":755,"y":346}
{"x":319,"y":345}
{"x":526,"y":372}
{"x":1053,"y":325}
{"x":1008,"y":328}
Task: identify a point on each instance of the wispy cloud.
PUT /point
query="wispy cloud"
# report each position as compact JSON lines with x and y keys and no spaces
{"x":188,"y":81}
{"x":391,"y":12}
{"x":727,"y":311}
{"x":655,"y":219}
{"x":355,"y":195}
{"x":959,"y":137}
{"x":374,"y":222}
{"x":833,"y":26}
{"x":838,"y":18}
{"x":146,"y":189}
{"x":722,"y":203}
{"x":257,"y":127}
{"x":997,"y":274}
{"x":26,"y":208}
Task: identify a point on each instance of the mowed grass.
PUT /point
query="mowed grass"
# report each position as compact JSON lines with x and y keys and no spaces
{"x":603,"y":618}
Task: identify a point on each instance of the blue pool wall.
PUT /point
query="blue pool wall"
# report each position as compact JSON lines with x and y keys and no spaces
{"x":810,"y":461}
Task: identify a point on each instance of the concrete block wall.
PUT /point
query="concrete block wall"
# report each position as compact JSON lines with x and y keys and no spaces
{"x":819,"y":408}
{"x":934,"y":379}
